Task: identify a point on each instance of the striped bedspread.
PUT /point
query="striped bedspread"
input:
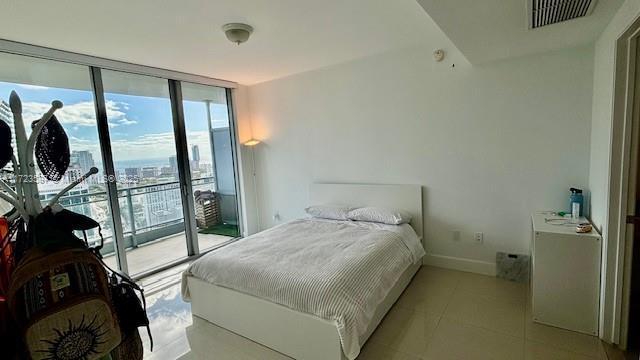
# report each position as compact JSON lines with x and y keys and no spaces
{"x":337,"y":270}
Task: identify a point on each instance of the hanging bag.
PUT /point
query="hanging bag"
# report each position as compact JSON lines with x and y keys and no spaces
{"x":60,"y":296}
{"x":62,"y":302}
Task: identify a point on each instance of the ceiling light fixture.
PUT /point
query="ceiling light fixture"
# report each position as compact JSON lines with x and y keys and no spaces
{"x":237,"y":32}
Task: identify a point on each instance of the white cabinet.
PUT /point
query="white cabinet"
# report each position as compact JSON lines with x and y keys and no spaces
{"x":565,"y":281}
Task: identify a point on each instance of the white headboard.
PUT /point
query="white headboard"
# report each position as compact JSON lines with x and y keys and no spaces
{"x":402,"y":197}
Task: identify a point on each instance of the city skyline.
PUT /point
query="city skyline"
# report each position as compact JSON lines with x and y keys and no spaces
{"x":143,"y":146}
{"x":140,"y":127}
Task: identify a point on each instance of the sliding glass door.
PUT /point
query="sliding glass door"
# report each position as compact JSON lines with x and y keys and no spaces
{"x":38,"y":82}
{"x":144,"y":156}
{"x":213,"y":183}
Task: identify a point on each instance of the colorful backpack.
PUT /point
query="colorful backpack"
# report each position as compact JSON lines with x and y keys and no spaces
{"x":61,"y":299}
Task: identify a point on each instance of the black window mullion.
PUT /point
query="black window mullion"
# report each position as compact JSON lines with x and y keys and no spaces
{"x":109,"y":169}
{"x":184,"y":170}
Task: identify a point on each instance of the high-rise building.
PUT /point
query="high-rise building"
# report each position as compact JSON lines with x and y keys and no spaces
{"x":162,"y":204}
{"x":82,"y":159}
{"x":195,"y":158}
{"x":195,"y":151}
{"x":173,"y":164}
{"x":132,"y":174}
{"x":150,"y":172}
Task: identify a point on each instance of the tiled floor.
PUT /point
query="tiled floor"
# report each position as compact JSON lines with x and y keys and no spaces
{"x":443,"y":314}
{"x":163,"y":251}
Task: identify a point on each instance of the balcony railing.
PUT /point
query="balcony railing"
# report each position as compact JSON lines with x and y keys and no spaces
{"x":148,"y":212}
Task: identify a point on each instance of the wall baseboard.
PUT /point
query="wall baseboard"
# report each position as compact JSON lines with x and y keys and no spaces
{"x":461,"y":264}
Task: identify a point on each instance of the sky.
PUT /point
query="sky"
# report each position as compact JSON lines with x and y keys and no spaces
{"x":140,"y":127}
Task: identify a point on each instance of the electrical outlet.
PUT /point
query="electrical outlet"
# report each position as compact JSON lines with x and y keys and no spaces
{"x":479,"y":237}
{"x":455,"y":236}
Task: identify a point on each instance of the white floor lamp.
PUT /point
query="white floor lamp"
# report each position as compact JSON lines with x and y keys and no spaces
{"x":252,"y":143}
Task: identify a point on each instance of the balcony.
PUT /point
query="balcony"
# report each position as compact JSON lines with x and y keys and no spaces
{"x":152,"y":221}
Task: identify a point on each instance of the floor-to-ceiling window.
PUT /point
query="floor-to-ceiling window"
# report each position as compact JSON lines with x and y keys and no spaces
{"x":38,"y":82}
{"x":137,"y":137}
{"x":145,"y":161}
{"x":209,"y":140}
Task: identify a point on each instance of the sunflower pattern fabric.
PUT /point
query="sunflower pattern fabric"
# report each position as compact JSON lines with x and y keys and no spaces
{"x":62,"y":300}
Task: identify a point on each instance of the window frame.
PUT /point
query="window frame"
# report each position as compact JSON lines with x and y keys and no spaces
{"x":94,"y":66}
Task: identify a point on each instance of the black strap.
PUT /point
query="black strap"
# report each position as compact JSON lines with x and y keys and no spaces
{"x":123,"y":277}
{"x":126,"y":279}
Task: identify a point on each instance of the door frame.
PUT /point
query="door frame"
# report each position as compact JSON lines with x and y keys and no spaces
{"x":616,"y":267}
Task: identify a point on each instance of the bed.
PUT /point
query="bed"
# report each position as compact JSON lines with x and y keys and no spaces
{"x":311,"y":288}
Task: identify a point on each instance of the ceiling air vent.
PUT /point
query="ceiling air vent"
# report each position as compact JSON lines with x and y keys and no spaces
{"x":547,"y":12}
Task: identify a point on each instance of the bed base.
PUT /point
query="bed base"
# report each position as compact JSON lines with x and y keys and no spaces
{"x":293,"y":333}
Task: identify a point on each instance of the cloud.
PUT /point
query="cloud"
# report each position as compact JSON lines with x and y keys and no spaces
{"x":158,"y":145}
{"x":33,"y":87}
{"x":126,"y":121}
{"x":80,"y":113}
{"x":79,"y":144}
{"x":149,"y":146}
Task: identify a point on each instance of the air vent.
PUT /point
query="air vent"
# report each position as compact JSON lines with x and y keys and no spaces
{"x":547,"y":12}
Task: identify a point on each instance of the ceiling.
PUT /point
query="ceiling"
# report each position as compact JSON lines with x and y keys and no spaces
{"x":291,"y":36}
{"x":486,"y":30}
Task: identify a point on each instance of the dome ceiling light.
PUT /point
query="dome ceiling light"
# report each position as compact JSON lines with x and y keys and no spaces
{"x":237,"y":32}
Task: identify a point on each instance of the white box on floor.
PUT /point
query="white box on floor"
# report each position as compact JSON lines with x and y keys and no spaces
{"x":565,"y":281}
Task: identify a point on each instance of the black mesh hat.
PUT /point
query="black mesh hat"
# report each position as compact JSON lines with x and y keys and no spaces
{"x":5,"y":144}
{"x":52,"y":150}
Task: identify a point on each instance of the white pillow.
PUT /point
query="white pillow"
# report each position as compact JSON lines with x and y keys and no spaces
{"x":333,"y":212}
{"x":380,"y":215}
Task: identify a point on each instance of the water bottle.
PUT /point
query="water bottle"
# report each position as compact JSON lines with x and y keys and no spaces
{"x":576,"y":197}
{"x":576,"y":210}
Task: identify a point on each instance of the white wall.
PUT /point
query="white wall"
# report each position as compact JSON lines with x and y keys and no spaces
{"x":490,"y":144}
{"x":599,"y":174}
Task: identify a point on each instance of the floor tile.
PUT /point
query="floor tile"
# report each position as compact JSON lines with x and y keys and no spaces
{"x":203,"y":345}
{"x":539,"y":351}
{"x":438,"y":276}
{"x":207,"y":338}
{"x":456,"y":341}
{"x":173,"y":350}
{"x":426,"y":297}
{"x":504,"y":316}
{"x":168,"y":317}
{"x":563,"y":339}
{"x":405,"y":330}
{"x":492,"y":287}
{"x":375,"y":351}
{"x":190,"y":356}
{"x":430,"y":290}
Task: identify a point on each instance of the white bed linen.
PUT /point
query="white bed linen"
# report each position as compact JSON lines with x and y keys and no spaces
{"x":337,"y":270}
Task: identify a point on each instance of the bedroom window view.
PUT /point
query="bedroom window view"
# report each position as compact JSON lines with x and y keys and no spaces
{"x":143,"y":148}
{"x":206,"y":118}
{"x":38,"y":82}
{"x":144,"y":157}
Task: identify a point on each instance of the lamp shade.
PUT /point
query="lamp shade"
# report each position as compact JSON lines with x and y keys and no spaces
{"x":251,"y":142}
